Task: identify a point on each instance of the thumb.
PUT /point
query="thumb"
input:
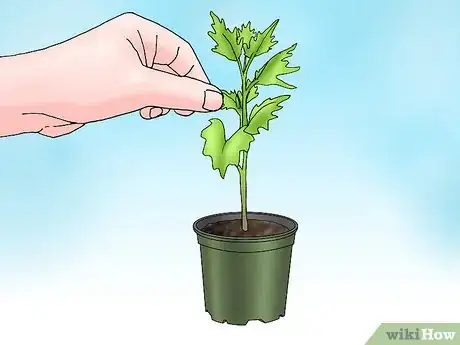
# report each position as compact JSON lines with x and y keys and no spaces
{"x":166,"y":90}
{"x":57,"y":131}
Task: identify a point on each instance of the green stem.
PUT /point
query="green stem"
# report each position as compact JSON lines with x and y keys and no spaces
{"x":243,"y":168}
{"x":244,"y":192}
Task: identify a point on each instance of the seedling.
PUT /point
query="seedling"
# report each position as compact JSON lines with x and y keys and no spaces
{"x":242,"y":45}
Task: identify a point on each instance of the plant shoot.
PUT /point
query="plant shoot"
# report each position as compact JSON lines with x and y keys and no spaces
{"x":242,"y":45}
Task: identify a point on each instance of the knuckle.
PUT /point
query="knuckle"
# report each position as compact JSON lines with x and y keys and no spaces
{"x":185,"y":49}
{"x":129,"y":16}
{"x":189,"y":48}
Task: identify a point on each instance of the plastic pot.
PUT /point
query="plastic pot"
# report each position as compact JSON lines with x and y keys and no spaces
{"x":245,"y":278}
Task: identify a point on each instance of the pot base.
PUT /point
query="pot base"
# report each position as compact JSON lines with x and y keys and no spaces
{"x":241,"y":322}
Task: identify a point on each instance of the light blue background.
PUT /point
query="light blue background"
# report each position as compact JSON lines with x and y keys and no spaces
{"x":365,"y":157}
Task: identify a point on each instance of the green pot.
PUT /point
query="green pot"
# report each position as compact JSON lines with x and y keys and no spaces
{"x":245,"y":278}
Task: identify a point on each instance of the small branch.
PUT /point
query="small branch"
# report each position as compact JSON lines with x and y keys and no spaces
{"x":245,"y":63}
{"x":240,"y":67}
{"x":252,"y":84}
{"x":248,"y":64}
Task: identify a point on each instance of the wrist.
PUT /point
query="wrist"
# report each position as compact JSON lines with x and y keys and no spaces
{"x":22,"y":82}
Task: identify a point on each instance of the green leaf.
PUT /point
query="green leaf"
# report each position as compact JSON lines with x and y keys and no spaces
{"x":231,"y":101}
{"x":263,"y":113}
{"x":247,"y":35}
{"x":277,"y":66}
{"x":224,"y":152}
{"x":263,"y":42}
{"x":227,"y":42}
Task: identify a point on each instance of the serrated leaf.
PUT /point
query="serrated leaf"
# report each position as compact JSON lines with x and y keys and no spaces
{"x":263,"y":113}
{"x":222,"y":152}
{"x":263,"y":42}
{"x":247,"y":35}
{"x":231,"y":101}
{"x":277,"y":66}
{"x":227,"y":42}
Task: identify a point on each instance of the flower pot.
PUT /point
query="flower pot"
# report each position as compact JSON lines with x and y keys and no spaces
{"x":245,"y":278}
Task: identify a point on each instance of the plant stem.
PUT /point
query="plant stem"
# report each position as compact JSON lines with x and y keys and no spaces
{"x":244,"y":192}
{"x":243,"y":169}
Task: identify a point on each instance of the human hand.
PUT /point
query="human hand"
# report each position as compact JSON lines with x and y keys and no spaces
{"x":126,"y":64}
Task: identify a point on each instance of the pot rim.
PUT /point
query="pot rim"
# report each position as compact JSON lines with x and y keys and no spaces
{"x":292,"y":229}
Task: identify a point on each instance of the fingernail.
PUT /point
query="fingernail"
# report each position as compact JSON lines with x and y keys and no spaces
{"x":155,"y":112}
{"x":212,"y":100}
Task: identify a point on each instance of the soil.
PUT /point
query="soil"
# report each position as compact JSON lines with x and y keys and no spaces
{"x":256,"y":228}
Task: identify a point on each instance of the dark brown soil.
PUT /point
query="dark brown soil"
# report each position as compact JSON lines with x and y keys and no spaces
{"x":256,"y":228}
